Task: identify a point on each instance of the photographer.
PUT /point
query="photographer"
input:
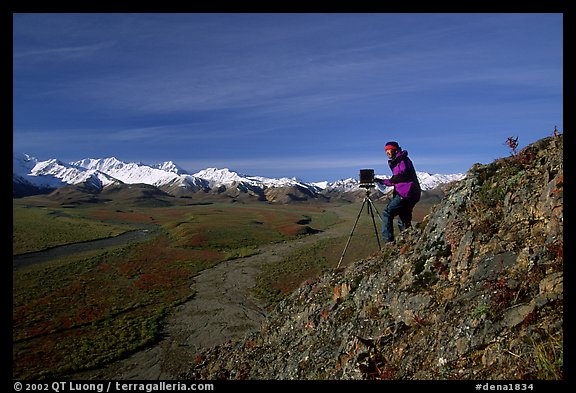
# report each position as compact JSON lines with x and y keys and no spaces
{"x":406,"y":191}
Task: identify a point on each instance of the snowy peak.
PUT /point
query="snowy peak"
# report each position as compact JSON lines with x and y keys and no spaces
{"x":129,"y":172}
{"x":226,"y":177}
{"x":170,"y":166}
{"x":51,"y":174}
{"x":101,"y":164}
{"x":217,"y":177}
{"x":257,"y":185}
{"x":342,"y":185}
{"x":427,"y":182}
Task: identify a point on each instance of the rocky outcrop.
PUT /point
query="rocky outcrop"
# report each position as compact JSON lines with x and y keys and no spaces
{"x":473,"y":292}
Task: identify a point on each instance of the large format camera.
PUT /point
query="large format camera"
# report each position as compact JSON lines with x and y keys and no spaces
{"x":367,"y":178}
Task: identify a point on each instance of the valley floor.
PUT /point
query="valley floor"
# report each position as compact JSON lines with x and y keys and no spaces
{"x":196,"y":307}
{"x":223,"y":308}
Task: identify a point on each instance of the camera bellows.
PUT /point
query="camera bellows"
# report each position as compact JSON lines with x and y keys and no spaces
{"x":366,"y":177}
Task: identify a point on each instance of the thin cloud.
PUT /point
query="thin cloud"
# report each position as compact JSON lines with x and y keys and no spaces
{"x":63,"y":52}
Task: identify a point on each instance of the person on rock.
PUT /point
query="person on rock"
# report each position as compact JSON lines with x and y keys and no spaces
{"x":406,"y":191}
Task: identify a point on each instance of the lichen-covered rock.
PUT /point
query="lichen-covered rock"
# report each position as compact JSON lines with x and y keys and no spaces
{"x":474,"y":292}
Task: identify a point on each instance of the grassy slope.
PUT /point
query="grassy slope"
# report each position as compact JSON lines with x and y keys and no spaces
{"x":37,"y":228}
{"x":278,"y":280}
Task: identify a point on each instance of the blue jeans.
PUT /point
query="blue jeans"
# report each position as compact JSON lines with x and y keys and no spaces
{"x":401,"y":207}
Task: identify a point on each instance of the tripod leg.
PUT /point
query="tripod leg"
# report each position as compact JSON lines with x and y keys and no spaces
{"x":351,"y":233}
{"x":375,"y":209}
{"x":371,"y":210}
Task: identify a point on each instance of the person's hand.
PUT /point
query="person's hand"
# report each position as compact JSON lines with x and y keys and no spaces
{"x":379,"y":181}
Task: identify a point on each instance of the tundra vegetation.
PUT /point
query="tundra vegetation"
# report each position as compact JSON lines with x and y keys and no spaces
{"x":88,"y":308}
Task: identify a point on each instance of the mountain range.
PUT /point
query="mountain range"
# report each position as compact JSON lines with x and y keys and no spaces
{"x":32,"y":176}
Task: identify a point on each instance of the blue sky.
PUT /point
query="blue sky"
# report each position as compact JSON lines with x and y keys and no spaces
{"x":313,"y":96}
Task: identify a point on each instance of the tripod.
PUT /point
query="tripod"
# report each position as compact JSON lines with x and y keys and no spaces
{"x":370,"y":209}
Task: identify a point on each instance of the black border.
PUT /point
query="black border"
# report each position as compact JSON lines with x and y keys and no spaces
{"x":376,"y":6}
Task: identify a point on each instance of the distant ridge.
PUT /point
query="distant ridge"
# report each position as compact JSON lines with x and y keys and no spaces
{"x":32,"y":176}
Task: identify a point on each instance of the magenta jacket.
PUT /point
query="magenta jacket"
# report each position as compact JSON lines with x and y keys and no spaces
{"x":403,"y":178}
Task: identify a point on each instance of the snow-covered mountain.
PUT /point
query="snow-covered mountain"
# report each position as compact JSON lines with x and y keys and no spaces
{"x":46,"y":175}
{"x":427,"y":182}
{"x":217,"y":177}
{"x":169,"y":166}
{"x":343,"y":185}
{"x":129,"y":172}
{"x":164,"y":175}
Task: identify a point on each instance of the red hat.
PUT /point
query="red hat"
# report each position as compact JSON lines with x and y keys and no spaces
{"x":392,"y":145}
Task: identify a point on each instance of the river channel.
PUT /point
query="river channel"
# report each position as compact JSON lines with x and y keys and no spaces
{"x":31,"y":258}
